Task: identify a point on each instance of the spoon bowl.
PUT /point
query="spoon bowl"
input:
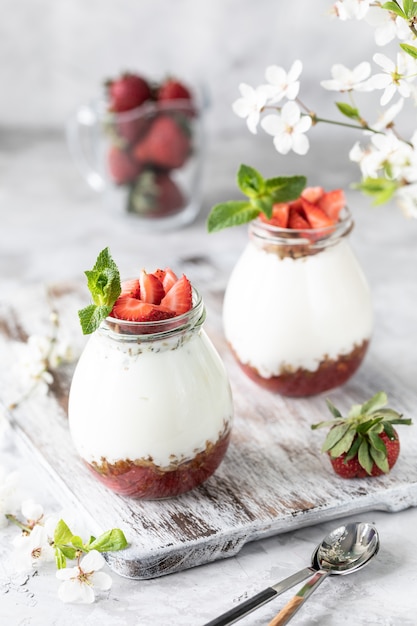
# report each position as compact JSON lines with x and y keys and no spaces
{"x":343,"y":551}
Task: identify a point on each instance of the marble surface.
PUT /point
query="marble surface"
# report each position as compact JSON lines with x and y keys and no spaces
{"x":52,"y":227}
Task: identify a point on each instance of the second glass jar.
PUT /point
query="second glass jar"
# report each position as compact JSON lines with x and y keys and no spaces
{"x":297,"y":309}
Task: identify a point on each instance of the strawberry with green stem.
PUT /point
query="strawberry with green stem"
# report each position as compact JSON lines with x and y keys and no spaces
{"x":364,"y":443}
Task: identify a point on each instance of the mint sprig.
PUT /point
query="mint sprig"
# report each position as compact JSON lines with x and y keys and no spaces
{"x":103,"y":282}
{"x":68,"y":546}
{"x":262,"y":194}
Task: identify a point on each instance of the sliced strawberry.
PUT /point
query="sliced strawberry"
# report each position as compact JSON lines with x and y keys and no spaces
{"x":167,"y":277}
{"x":179,"y":297}
{"x":312,"y":194}
{"x":134,"y":310}
{"x":296,"y":220}
{"x":130,"y":288}
{"x":170,"y":279}
{"x":332,"y":203}
{"x":151,"y":288}
{"x":316,"y":217}
{"x":280,"y":214}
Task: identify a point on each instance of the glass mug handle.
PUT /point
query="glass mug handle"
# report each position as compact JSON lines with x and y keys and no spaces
{"x":83,"y":140}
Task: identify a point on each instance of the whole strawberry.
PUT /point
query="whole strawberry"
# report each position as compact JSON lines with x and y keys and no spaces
{"x":364,"y":443}
{"x":122,"y":167}
{"x":166,"y":145}
{"x":127,"y":92}
{"x":173,"y":89}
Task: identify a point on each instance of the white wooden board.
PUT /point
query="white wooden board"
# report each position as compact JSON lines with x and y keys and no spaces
{"x":273,"y":480}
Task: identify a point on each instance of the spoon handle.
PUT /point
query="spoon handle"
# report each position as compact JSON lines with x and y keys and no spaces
{"x":235,"y":614}
{"x":292,"y":606}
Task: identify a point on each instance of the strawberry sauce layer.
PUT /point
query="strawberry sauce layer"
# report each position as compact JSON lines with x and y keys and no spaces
{"x":330,"y":374}
{"x":143,"y":479}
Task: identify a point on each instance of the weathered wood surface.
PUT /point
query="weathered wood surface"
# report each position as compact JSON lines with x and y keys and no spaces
{"x":274,"y":478}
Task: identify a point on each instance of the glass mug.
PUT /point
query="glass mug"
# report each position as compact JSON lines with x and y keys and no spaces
{"x":147,"y":161}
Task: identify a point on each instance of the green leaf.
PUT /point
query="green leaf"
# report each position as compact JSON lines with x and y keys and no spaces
{"x":330,"y":423}
{"x":389,"y":430}
{"x":91,"y":317}
{"x":68,"y":551}
{"x":285,"y":188}
{"x":409,"y":8}
{"x":411,"y":50}
{"x":348,"y":110}
{"x":377,"y":443}
{"x":364,"y":427}
{"x":353,"y":451}
{"x":334,"y":435}
{"x":333,"y":410}
{"x":62,"y":534}
{"x":381,"y":189}
{"x":378,"y":401}
{"x":110,"y":541}
{"x":380,"y":459}
{"x":344,"y":444}
{"x":264,"y":204}
{"x":103,"y":282}
{"x":364,"y":457}
{"x":60,"y":559}
{"x":77,"y":542}
{"x":232,"y":213}
{"x":250,"y":181}
{"x":395,"y":8}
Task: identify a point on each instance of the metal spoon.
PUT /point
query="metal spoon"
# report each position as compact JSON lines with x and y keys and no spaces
{"x":343,"y":551}
{"x":266,"y":595}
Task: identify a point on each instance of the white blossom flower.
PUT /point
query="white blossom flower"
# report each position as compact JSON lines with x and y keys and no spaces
{"x":8,"y":495}
{"x":79,"y":582}
{"x":395,"y":77}
{"x":387,"y":26}
{"x":406,"y":197}
{"x":250,"y":105}
{"x":349,"y":9}
{"x":282,"y":84}
{"x":385,"y":153}
{"x":33,"y":549}
{"x":345,"y":79}
{"x":368,"y":160}
{"x":288,"y":128}
{"x":387,"y":117}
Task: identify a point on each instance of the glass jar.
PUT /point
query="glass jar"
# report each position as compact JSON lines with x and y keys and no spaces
{"x":297,"y":309}
{"x":150,"y":405}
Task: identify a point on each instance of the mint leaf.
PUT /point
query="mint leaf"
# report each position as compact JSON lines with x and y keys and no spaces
{"x":250,"y":181}
{"x":285,"y":188}
{"x":232,"y":213}
{"x":110,"y":541}
{"x":103,"y":282}
{"x":92,"y":316}
{"x":262,"y":195}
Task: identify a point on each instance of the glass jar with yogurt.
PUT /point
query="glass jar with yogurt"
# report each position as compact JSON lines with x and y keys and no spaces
{"x":297,"y":309}
{"x":150,"y":406}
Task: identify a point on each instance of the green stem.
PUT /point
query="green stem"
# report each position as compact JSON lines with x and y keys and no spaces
{"x":18,"y":523}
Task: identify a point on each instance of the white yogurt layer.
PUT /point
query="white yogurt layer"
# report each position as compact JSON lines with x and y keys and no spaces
{"x":161,"y":404}
{"x":294,"y":312}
